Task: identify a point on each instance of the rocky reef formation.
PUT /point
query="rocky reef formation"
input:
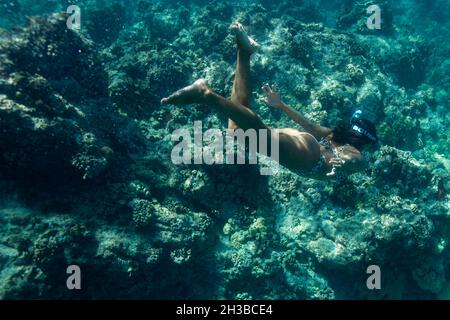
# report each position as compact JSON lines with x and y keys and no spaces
{"x":85,"y":168}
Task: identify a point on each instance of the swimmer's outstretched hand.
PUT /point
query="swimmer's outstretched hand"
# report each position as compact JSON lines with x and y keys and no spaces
{"x":273,"y":97}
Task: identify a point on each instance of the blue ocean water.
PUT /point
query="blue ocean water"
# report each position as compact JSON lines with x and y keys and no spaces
{"x":87,"y":170}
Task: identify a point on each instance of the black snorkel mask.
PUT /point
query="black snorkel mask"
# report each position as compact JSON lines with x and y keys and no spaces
{"x":358,"y":126}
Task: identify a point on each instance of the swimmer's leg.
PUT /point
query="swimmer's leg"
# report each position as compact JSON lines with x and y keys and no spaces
{"x":241,"y":93}
{"x":200,"y":92}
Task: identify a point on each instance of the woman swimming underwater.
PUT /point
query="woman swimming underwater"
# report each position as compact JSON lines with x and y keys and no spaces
{"x":318,"y":152}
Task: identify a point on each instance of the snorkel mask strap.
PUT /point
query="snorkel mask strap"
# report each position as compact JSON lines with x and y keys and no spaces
{"x":364,"y":132}
{"x":355,"y":127}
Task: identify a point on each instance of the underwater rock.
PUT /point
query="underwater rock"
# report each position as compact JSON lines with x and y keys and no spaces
{"x":430,"y":275}
{"x":142,"y":212}
{"x":103,"y":24}
{"x":409,"y":66}
{"x":137,"y":84}
{"x":399,"y":168}
{"x":51,"y":81}
{"x":178,"y":226}
{"x":66,"y":59}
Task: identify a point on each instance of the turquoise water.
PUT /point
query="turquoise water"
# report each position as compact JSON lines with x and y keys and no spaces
{"x":87,"y":177}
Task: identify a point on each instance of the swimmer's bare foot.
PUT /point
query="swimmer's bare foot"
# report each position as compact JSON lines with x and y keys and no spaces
{"x":195,"y":93}
{"x":244,"y":41}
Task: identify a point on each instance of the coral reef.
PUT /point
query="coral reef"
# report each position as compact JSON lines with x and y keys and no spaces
{"x":85,"y":168}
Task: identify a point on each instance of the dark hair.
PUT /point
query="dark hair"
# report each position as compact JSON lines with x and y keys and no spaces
{"x":344,"y":133}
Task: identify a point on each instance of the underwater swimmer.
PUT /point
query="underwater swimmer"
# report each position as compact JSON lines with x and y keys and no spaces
{"x":318,"y":152}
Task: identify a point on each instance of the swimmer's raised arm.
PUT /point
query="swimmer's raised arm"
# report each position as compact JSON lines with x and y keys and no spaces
{"x":273,"y":98}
